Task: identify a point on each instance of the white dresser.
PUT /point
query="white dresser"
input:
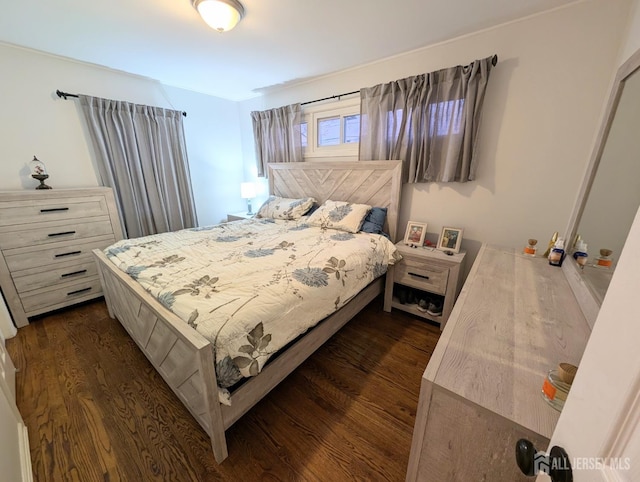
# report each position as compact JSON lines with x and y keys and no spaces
{"x":516,"y":318}
{"x":46,"y":238}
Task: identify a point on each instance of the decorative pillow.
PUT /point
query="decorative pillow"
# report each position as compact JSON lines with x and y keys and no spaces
{"x":284,"y":208}
{"x":312,"y":210}
{"x":374,"y":221}
{"x":340,"y":215}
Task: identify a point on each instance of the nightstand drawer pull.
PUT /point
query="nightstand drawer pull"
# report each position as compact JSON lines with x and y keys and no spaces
{"x":79,"y":291}
{"x":70,"y":253}
{"x":417,"y":275}
{"x":53,"y":210}
{"x":65,"y":275}
{"x":64,"y":233}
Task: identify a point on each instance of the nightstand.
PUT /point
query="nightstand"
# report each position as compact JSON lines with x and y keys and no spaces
{"x":428,"y":272}
{"x":239,"y":216}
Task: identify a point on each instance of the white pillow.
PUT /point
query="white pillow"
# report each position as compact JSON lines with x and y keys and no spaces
{"x":340,"y":215}
{"x":285,"y":208}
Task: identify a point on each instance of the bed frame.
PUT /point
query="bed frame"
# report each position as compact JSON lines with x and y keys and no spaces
{"x":185,"y":359}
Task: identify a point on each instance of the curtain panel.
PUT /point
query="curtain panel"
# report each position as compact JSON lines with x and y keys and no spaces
{"x":277,"y":136}
{"x":141,"y":154}
{"x":430,"y":121}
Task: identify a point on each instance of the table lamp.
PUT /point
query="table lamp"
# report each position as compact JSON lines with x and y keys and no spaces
{"x":248,"y":192}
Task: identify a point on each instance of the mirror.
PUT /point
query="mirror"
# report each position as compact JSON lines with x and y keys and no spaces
{"x":610,"y":194}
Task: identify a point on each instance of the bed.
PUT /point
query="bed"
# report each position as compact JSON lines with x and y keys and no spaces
{"x":186,"y":359}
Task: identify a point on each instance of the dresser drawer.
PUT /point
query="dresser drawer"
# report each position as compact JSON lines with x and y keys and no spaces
{"x":53,"y":232}
{"x":418,"y":274}
{"x":56,"y":254}
{"x":62,"y":295}
{"x":36,"y":278}
{"x":36,"y":211}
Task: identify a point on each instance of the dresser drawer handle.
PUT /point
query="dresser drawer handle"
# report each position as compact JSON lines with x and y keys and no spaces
{"x":70,"y":253}
{"x":73,"y":274}
{"x":79,"y":291}
{"x":53,"y":210}
{"x":418,"y":275}
{"x":64,"y":233}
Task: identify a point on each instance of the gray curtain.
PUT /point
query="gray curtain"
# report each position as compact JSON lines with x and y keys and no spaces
{"x":429,"y":121}
{"x":277,"y":136}
{"x":142,"y":155}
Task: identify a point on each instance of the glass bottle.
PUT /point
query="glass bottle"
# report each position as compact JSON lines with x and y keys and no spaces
{"x":555,"y":390}
{"x":604,"y":261}
{"x":580,"y":253}
{"x":530,"y":249}
{"x":556,"y":256}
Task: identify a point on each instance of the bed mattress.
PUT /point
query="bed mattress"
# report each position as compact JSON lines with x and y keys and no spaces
{"x":251,"y":287}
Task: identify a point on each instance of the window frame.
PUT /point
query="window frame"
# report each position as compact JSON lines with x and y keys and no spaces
{"x":313,"y":113}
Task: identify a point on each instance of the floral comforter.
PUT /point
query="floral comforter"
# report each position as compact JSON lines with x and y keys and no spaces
{"x":251,"y":287}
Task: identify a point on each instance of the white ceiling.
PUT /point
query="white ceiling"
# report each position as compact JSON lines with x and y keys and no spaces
{"x":277,"y":42}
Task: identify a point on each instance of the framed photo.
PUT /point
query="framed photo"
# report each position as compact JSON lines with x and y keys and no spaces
{"x":450,"y":239}
{"x":415,"y":233}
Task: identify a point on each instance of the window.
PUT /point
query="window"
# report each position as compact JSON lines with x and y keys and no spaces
{"x":445,"y":117}
{"x":328,"y":129}
{"x":332,"y":130}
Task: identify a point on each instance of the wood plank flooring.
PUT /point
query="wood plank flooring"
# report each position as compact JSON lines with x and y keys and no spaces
{"x":96,"y":410}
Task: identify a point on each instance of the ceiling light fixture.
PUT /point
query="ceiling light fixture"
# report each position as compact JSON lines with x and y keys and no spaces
{"x":220,"y":15}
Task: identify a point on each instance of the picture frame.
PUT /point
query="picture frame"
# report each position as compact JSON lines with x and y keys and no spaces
{"x":450,"y":239}
{"x":415,"y":233}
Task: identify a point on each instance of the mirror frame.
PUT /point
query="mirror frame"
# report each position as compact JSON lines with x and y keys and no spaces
{"x":586,"y":298}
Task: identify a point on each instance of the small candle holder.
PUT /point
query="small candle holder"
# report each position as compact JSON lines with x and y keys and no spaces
{"x":39,"y":172}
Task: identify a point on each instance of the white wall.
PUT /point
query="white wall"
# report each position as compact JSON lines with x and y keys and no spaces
{"x":542,"y":110}
{"x":34,"y":121}
{"x":212,"y":130}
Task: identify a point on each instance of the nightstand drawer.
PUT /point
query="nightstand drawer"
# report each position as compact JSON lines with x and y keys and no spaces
{"x":418,"y":274}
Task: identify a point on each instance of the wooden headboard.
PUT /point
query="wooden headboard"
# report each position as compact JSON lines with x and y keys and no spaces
{"x":376,"y":183}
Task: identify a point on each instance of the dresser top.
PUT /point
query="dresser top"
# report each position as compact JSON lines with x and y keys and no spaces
{"x":51,"y":193}
{"x":516,"y":319}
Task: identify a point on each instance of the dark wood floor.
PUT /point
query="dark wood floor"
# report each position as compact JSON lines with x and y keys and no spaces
{"x":96,"y":410}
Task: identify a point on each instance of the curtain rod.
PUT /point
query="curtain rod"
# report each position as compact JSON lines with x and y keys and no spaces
{"x":494,"y":61}
{"x":331,"y":97}
{"x":65,"y":95}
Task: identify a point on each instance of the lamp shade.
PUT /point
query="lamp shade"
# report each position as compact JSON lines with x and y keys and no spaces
{"x":247,"y":190}
{"x":220,"y":15}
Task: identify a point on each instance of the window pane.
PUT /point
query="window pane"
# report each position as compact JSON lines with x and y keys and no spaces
{"x":303,"y":134}
{"x":329,"y":131}
{"x":445,"y":117}
{"x":394,"y":120}
{"x":351,"y":128}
